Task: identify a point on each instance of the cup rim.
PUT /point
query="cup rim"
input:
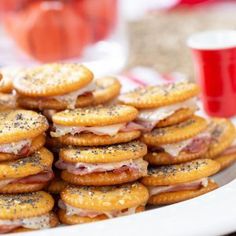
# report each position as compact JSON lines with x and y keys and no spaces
{"x":212,"y":40}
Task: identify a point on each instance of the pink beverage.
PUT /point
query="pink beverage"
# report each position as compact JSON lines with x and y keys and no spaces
{"x":214,"y":54}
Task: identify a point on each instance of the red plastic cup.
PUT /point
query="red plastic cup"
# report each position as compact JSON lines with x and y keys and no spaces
{"x":214,"y":54}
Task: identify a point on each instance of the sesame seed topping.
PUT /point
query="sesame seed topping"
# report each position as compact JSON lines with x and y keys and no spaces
{"x":171,"y":170}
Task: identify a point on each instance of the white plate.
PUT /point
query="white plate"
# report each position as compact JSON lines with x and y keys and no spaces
{"x":211,"y":214}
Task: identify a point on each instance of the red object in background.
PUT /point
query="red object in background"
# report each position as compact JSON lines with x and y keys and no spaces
{"x":10,"y":5}
{"x":100,"y":15}
{"x":216,"y":73}
{"x":58,"y":29}
{"x":192,"y":2}
{"x":49,"y":30}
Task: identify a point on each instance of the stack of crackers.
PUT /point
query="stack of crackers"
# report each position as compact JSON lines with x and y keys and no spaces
{"x":105,"y":157}
{"x":25,"y":169}
{"x":184,"y":149}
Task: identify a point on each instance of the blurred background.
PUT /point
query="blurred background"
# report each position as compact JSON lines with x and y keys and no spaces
{"x":109,"y":35}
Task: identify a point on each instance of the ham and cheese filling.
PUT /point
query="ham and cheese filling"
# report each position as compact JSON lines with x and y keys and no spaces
{"x":178,"y":187}
{"x":231,"y":149}
{"x":71,"y":98}
{"x":41,"y":177}
{"x":17,"y":148}
{"x":80,"y":168}
{"x":148,"y":118}
{"x":38,"y":222}
{"x":192,"y":145}
{"x":70,"y":210}
{"x":110,"y":130}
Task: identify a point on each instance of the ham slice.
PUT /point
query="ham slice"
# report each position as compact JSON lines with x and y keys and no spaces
{"x":148,"y":118}
{"x":110,"y":130}
{"x":131,"y":126}
{"x":38,"y":178}
{"x":179,"y":187}
{"x":80,"y":168}
{"x":24,"y":151}
{"x":198,"y":144}
{"x":230,"y":150}
{"x":89,"y":213}
{"x":8,"y":228}
{"x":192,"y":145}
{"x":42,"y":177}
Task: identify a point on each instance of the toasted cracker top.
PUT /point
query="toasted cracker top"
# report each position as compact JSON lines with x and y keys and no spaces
{"x":38,"y":162}
{"x":25,"y":205}
{"x":108,"y":198}
{"x":52,"y":79}
{"x":175,"y":133}
{"x":107,"y":88}
{"x":96,"y":116}
{"x":160,"y":95}
{"x":181,"y":173}
{"x":104,"y":154}
{"x":223,"y":133}
{"x":16,"y":125}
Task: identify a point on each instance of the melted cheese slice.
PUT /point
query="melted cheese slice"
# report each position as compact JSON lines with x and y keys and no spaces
{"x":175,"y":148}
{"x":38,"y":222}
{"x":70,"y":210}
{"x":15,"y":147}
{"x":138,"y":165}
{"x":71,"y":98}
{"x":178,"y":187}
{"x":158,"y":114}
{"x":110,"y":130}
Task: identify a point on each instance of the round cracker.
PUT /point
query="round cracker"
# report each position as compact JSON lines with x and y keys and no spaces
{"x":96,"y":116}
{"x":102,"y":179}
{"x":16,"y":125}
{"x":104,"y":154}
{"x":38,"y":162}
{"x":109,"y":198}
{"x":178,"y":117}
{"x":226,"y":160}
{"x":75,"y":219}
{"x":162,"y":95}
{"x":52,"y":80}
{"x":175,"y":133}
{"x":222,"y":135}
{"x":53,"y":222}
{"x":174,"y":197}
{"x":56,"y":186}
{"x":87,"y":139}
{"x":181,"y":173}
{"x":16,"y":188}
{"x":51,"y":103}
{"x":107,"y":88}
{"x":25,"y":205}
